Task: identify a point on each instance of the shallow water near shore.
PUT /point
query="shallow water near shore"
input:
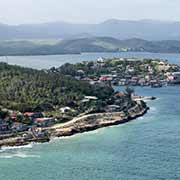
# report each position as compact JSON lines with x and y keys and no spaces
{"x":144,"y":149}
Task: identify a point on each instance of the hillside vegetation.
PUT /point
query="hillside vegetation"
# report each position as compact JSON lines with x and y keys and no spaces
{"x":92,"y":44}
{"x":26,"y":89}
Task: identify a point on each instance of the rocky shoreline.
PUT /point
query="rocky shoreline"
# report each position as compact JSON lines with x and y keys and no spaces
{"x":83,"y":124}
{"x":93,"y":122}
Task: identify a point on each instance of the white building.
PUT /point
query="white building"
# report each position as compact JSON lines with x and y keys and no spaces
{"x":174,"y":78}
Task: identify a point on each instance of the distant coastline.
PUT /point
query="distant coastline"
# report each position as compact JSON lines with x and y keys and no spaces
{"x":86,"y":45}
{"x":59,"y":54}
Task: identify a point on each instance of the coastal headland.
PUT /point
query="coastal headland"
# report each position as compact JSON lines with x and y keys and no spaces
{"x":95,"y":121}
{"x":82,"y":124}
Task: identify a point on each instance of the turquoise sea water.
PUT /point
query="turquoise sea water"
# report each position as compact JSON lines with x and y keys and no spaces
{"x":145,"y":149}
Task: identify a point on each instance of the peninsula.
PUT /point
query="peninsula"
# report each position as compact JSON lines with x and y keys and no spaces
{"x":38,"y":105}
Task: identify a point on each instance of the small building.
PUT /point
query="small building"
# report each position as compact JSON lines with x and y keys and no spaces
{"x":113,"y":108}
{"x":130,"y":69}
{"x":104,"y":78}
{"x":163,"y":66}
{"x":80,"y":71}
{"x":33,"y":115}
{"x":90,"y":97}
{"x":44,"y":122}
{"x":100,"y":60}
{"x":174,"y":78}
{"x":17,"y":126}
{"x":127,"y":76}
{"x":142,"y":82}
{"x":92,"y":82}
{"x":12,"y":118}
{"x":122,"y":82}
{"x":3,"y":126}
{"x":120,"y":95}
{"x":86,"y":79}
{"x":77,"y":77}
{"x":65,"y":109}
{"x":133,"y":82}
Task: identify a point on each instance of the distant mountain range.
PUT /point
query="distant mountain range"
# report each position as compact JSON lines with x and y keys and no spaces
{"x":91,"y":44}
{"x":120,"y":29}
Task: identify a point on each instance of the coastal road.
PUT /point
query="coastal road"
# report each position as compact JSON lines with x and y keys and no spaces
{"x":76,"y":119}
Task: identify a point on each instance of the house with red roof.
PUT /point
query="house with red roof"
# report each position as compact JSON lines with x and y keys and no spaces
{"x":44,"y":122}
{"x":33,"y":115}
{"x":17,"y":126}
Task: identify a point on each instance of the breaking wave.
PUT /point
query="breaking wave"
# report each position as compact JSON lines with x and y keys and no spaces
{"x":18,"y":155}
{"x":15,"y":147}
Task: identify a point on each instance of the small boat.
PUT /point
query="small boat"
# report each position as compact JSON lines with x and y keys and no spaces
{"x":156,"y":85}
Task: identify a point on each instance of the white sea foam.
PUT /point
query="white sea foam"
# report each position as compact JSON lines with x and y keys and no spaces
{"x":141,"y":118}
{"x":153,"y":109}
{"x":2,"y":150}
{"x":5,"y":148}
{"x":53,"y":139}
{"x":18,"y":156}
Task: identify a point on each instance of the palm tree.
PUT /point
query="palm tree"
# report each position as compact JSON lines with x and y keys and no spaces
{"x":129,"y":92}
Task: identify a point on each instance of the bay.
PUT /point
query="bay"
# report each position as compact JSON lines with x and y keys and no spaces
{"x":45,"y":62}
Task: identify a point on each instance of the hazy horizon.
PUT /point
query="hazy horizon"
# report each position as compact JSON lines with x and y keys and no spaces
{"x":86,"y":12}
{"x":86,"y":23}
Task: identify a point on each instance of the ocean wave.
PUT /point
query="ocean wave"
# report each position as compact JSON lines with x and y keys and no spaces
{"x":5,"y":148}
{"x":75,"y":136}
{"x":141,"y":118}
{"x":153,"y":109}
{"x":18,"y":155}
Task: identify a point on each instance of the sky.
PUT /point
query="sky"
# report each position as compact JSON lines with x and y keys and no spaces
{"x":86,"y":11}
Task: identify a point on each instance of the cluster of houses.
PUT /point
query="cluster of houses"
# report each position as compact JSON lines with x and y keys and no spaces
{"x":37,"y":120}
{"x":30,"y":120}
{"x":11,"y":124}
{"x":133,"y":72}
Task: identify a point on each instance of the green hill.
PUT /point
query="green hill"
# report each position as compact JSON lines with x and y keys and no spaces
{"x":92,"y":44}
{"x":26,"y":89}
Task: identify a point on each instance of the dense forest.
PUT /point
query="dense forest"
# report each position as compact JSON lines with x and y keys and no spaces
{"x":26,"y":89}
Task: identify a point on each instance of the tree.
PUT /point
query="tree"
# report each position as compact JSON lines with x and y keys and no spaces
{"x":19,"y":118}
{"x":129,"y":92}
{"x":3,"y":114}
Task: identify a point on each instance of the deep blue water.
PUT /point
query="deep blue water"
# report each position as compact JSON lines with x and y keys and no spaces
{"x":144,"y":149}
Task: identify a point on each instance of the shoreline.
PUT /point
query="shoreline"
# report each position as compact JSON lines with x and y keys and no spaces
{"x":72,"y":130}
{"x":81,"y":125}
{"x":80,"y":53}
